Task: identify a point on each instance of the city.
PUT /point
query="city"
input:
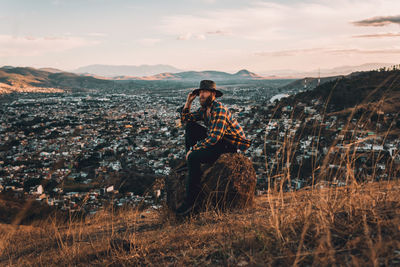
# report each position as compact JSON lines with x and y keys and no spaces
{"x":61,"y":148}
{"x":80,"y":151}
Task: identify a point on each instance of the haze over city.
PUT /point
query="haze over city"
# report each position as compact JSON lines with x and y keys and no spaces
{"x":200,"y":35}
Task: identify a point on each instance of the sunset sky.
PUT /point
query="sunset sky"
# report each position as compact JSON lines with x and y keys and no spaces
{"x":200,"y":34}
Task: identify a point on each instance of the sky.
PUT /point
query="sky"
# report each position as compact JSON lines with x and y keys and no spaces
{"x":222,"y":35}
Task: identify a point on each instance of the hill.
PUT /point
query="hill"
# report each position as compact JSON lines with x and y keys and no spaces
{"x":25,"y":79}
{"x":308,"y":83}
{"x":360,"y":89}
{"x":353,"y":225}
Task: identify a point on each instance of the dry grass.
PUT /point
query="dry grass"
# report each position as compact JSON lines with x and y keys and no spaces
{"x":355,"y":225}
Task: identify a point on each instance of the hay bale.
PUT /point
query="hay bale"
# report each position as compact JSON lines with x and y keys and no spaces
{"x":229,"y":183}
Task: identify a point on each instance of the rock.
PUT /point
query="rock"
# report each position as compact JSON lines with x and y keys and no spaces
{"x":229,"y":183}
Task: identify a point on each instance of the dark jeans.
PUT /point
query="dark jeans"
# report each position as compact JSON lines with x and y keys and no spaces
{"x":195,"y":132}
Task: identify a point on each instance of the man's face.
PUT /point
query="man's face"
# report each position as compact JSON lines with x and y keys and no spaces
{"x":206,"y":97}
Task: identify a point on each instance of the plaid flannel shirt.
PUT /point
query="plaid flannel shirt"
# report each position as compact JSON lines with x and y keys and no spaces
{"x":220,"y":124}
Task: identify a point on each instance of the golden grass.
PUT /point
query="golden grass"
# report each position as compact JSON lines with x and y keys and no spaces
{"x":355,"y":225}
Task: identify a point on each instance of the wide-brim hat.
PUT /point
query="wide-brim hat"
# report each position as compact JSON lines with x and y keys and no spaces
{"x":209,"y":86}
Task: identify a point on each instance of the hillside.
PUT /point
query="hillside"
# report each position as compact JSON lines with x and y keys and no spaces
{"x":352,"y":226}
{"x":361,"y":90}
{"x":33,"y":80}
{"x":308,"y":83}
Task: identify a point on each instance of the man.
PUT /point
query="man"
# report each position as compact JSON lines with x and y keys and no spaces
{"x":223,"y":135}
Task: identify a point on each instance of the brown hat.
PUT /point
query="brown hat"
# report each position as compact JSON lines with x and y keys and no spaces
{"x":209,"y":86}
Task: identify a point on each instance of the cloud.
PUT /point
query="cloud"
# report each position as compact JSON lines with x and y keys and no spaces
{"x":378,"y":35}
{"x":149,"y":41}
{"x":280,"y":22}
{"x":247,"y":23}
{"x":332,"y":51}
{"x":378,"y":21}
{"x":98,"y":34}
{"x":289,"y":53}
{"x":35,"y":46}
{"x":52,"y":38}
{"x":56,"y":2}
{"x":364,"y":51}
{"x":31,"y":38}
{"x":268,"y":21}
{"x":190,"y":36}
{"x":200,"y":37}
{"x":218,"y":32}
{"x":184,"y":37}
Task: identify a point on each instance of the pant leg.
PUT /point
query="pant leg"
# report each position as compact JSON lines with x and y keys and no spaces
{"x":194,"y":132}
{"x":225,"y":146}
{"x":193,"y":185}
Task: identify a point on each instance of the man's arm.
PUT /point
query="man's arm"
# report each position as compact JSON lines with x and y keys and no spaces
{"x":189,"y":101}
{"x":186,"y":115}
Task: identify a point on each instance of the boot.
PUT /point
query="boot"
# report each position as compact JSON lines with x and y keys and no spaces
{"x":184,"y":209}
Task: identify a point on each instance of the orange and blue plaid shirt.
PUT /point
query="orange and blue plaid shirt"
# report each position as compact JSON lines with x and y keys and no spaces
{"x":220,"y":124}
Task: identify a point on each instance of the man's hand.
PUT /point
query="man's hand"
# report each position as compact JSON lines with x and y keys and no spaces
{"x":189,"y":100}
{"x":187,"y":154}
{"x":191,"y":97}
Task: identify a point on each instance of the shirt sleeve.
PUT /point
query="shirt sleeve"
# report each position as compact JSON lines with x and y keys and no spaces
{"x":190,"y":116}
{"x":219,"y":122}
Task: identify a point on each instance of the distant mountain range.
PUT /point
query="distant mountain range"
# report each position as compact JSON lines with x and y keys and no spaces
{"x":26,"y":79}
{"x":161,"y":72}
{"x":167,"y":72}
{"x":196,"y":76}
{"x":342,"y":70}
{"x":125,"y":70}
